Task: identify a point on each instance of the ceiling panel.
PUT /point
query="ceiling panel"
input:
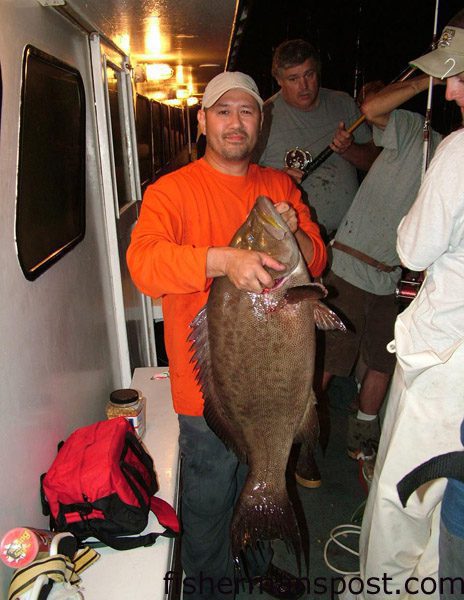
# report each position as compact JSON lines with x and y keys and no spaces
{"x":192,"y":33}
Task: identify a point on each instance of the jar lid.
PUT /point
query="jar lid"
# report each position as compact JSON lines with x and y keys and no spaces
{"x":19,"y":547}
{"x":124,"y":396}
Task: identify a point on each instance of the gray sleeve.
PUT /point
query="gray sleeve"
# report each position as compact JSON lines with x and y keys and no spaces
{"x":259,"y":152}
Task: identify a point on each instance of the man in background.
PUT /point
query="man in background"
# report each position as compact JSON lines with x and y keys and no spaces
{"x":305,"y":115}
{"x":365,"y":265}
{"x":425,"y":404}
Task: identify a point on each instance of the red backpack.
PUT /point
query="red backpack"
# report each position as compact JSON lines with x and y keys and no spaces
{"x":102,"y":485}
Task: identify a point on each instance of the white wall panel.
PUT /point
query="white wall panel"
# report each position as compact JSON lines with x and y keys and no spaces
{"x":57,"y":359}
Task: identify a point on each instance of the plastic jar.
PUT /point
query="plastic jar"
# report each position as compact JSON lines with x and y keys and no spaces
{"x":129,"y":404}
{"x":22,"y":545}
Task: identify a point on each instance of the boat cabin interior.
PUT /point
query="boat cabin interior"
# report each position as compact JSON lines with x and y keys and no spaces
{"x":99,"y":98}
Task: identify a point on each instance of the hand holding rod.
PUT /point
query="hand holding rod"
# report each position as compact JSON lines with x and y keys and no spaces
{"x":324,"y":155}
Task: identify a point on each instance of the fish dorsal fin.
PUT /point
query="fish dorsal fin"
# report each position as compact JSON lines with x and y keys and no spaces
{"x":213,"y":410}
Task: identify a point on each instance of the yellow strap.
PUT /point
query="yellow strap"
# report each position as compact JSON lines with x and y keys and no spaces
{"x":59,"y":568}
{"x":84,"y":558}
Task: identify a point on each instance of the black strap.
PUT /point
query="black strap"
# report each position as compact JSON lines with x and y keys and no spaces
{"x":123,"y":543}
{"x":43,"y":499}
{"x":132,"y":442}
{"x":128,"y":542}
{"x":133,"y":477}
{"x":450,"y":465}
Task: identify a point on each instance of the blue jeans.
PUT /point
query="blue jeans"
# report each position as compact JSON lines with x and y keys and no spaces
{"x":212,"y":479}
{"x":451,"y":564}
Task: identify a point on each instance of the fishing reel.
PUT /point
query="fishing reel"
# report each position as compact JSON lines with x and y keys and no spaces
{"x":298,"y":158}
{"x":408,"y":286}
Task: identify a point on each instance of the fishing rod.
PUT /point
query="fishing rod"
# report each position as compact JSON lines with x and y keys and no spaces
{"x":411,"y":281}
{"x":357,"y":66}
{"x":301,"y":159}
{"x":428,"y":111}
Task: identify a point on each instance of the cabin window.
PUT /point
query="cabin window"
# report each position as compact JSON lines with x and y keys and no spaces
{"x":172,"y":131}
{"x":185,"y":118}
{"x":178,"y":126}
{"x":144,"y":138}
{"x":157,"y":136}
{"x":165,"y":133}
{"x":120,"y":150}
{"x":50,"y":210}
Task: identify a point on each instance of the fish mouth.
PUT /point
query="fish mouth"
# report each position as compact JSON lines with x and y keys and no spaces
{"x":273,"y":222}
{"x":277,"y":228}
{"x":278,"y":283}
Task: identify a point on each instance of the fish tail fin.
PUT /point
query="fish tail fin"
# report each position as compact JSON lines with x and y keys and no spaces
{"x":268,"y":517}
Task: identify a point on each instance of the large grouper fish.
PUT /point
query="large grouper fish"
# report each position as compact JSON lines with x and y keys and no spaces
{"x":254,"y":355}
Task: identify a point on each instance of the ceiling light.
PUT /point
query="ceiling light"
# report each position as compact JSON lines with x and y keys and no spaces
{"x":182,"y":93}
{"x":180,"y":74}
{"x":158,"y":71}
{"x":159,"y":95}
{"x":153,"y":36}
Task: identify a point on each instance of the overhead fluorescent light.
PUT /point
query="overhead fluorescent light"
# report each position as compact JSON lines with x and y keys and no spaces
{"x":158,"y":71}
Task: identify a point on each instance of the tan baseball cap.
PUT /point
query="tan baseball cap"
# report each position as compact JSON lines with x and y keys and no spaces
{"x":448,"y":57}
{"x":229,"y":80}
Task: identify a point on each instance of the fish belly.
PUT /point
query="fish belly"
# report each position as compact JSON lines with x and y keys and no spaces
{"x":262,"y":364}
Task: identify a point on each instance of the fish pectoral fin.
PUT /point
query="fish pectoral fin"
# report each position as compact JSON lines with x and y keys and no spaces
{"x":298,"y":293}
{"x":308,"y":430}
{"x":326,"y":319}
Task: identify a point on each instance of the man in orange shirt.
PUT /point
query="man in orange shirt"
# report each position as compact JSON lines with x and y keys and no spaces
{"x":178,"y":246}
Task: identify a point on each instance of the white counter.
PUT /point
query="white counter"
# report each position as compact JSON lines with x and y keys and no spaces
{"x":139,"y":573}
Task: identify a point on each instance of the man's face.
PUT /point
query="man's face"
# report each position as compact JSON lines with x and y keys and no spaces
{"x":231,"y":126}
{"x":455,"y":89}
{"x":300,"y":85}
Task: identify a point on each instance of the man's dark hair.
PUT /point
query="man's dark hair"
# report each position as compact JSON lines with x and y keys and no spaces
{"x":458,"y":20}
{"x":293,"y":53}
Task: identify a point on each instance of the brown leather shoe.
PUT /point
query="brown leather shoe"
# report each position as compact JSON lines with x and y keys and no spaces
{"x":279,"y":584}
{"x":307,"y":473}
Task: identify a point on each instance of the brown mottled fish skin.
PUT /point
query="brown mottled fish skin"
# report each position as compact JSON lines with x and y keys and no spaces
{"x":255,"y":361}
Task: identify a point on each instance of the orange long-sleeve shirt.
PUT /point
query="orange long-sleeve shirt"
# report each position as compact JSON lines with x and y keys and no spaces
{"x":183,"y":214}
